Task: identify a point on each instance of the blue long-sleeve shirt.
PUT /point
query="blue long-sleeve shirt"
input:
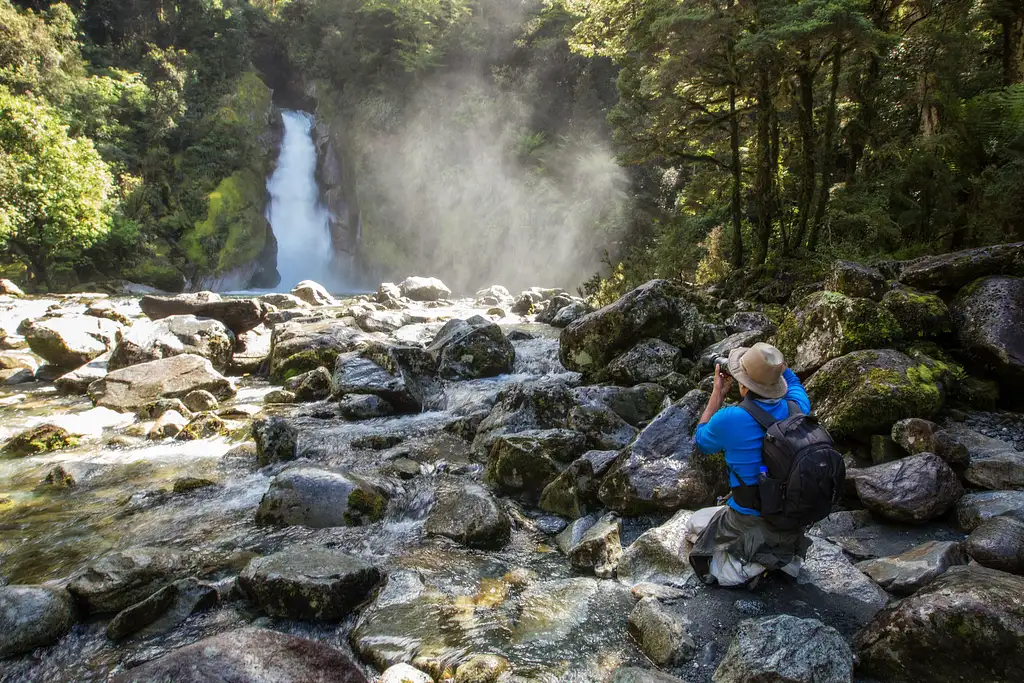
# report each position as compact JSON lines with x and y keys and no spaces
{"x":734,"y":431}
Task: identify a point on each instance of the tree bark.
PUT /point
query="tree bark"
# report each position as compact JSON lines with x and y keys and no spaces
{"x":805,"y":92}
{"x":767,"y":158}
{"x":737,"y":180}
{"x":827,"y":151}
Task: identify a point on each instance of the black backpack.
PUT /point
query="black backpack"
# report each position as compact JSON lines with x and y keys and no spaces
{"x":805,"y":471}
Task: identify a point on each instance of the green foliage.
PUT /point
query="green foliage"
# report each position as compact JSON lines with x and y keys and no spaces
{"x":53,"y":188}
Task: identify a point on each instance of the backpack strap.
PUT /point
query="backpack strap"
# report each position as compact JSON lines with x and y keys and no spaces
{"x":755,"y":411}
{"x":794,"y":409}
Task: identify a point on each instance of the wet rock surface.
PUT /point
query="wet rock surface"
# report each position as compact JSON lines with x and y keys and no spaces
{"x":316,"y":584}
{"x":249,"y":655}
{"x":786,"y":648}
{"x":130,"y":388}
{"x":121,"y":579}
{"x":33,"y":616}
{"x":906,"y":573}
{"x":915,"y":489}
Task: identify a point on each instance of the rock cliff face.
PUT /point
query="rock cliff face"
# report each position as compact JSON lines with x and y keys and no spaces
{"x":336,"y":177}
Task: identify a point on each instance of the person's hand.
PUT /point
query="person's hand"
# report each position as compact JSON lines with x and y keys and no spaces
{"x":723,"y":382}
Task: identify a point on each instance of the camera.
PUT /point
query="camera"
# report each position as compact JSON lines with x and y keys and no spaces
{"x":711,"y":360}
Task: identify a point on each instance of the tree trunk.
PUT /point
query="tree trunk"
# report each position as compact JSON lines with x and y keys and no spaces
{"x":767,"y":158}
{"x":737,"y":179}
{"x":827,"y":151}
{"x":805,"y":90}
{"x":1013,"y":46}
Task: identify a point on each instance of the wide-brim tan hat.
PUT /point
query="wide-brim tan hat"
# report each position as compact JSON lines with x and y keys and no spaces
{"x":759,"y":368}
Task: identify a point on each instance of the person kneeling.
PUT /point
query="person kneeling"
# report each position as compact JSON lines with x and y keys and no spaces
{"x":780,"y":484}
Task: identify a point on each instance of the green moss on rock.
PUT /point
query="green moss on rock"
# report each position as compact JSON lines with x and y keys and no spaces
{"x":866,"y":392}
{"x":41,"y":439}
{"x":920,"y":315}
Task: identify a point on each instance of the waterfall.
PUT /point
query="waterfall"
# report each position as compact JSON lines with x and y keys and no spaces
{"x":296,"y":214}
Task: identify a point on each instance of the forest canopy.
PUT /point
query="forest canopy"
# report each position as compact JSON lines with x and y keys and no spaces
{"x":723,"y":134}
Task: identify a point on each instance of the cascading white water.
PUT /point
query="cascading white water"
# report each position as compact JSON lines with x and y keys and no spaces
{"x":298,"y":217}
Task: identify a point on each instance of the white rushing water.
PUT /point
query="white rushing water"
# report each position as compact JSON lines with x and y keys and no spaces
{"x":298,"y":217}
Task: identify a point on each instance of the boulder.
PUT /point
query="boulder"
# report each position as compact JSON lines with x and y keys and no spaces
{"x":424,"y":289}
{"x":573,"y":493}
{"x":525,"y":406}
{"x":163,"y":610}
{"x":313,"y":293}
{"x":403,"y":673}
{"x":416,"y":367}
{"x":750,"y":321}
{"x":990,"y":463}
{"x":314,"y":385}
{"x":866,"y":392}
{"x":382,"y":321}
{"x":570,"y":313}
{"x":481,"y":669}
{"x":915,"y":489}
{"x":309,"y":583}
{"x":557,"y":303}
{"x":662,"y":471}
{"x":920,"y":315}
{"x":659,"y":555}
{"x":998,"y":543}
{"x":238,"y":315}
{"x":154,"y":409}
{"x":469,"y":515}
{"x":33,"y":616}
{"x":599,"y":548}
{"x":130,"y":388}
{"x":988,"y":316}
{"x":827,"y":570}
{"x":279,"y":396}
{"x":645,"y":362}
{"x":173,"y":336}
{"x":69,"y":342}
{"x":636,"y":405}
{"x":200,"y":401}
{"x":472,"y":349}
{"x":300,"y":346}
{"x":828,"y":325}
{"x":904,"y":574}
{"x":275,"y":440}
{"x":923,"y":436}
{"x":653,"y":310}
{"x":733,"y":341}
{"x":968,"y":624}
{"x":603,"y":428}
{"x":78,"y":380}
{"x":952,"y":271}
{"x":168,"y":425}
{"x":285,"y":302}
{"x":786,"y":649}
{"x":204,"y":426}
{"x":493,"y":295}
{"x":364,"y":407}
{"x":356,"y":375}
{"x":975,"y":508}
{"x":526,"y":462}
{"x":661,"y":634}
{"x":120,"y":579}
{"x":249,"y":655}
{"x":40,"y":439}
{"x":856,"y":280}
{"x":8,"y":288}
{"x":317,"y":498}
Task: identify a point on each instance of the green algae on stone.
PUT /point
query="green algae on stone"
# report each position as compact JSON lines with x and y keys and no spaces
{"x":866,"y":392}
{"x":827,"y":325}
{"x":40,"y":439}
{"x":920,"y":315}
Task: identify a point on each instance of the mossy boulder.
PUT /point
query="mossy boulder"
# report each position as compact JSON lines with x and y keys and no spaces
{"x":967,"y":625}
{"x":33,"y":616}
{"x":314,"y":385}
{"x":203,"y":426}
{"x":920,"y":315}
{"x":173,"y":336}
{"x":645,"y":362}
{"x":524,"y":463}
{"x":40,"y":439}
{"x":866,"y":392}
{"x":989,"y":316}
{"x":827,"y":325}
{"x":522,"y":407}
{"x":856,"y":280}
{"x":301,"y":346}
{"x":657,"y":309}
{"x":318,"y":498}
{"x":469,"y":515}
